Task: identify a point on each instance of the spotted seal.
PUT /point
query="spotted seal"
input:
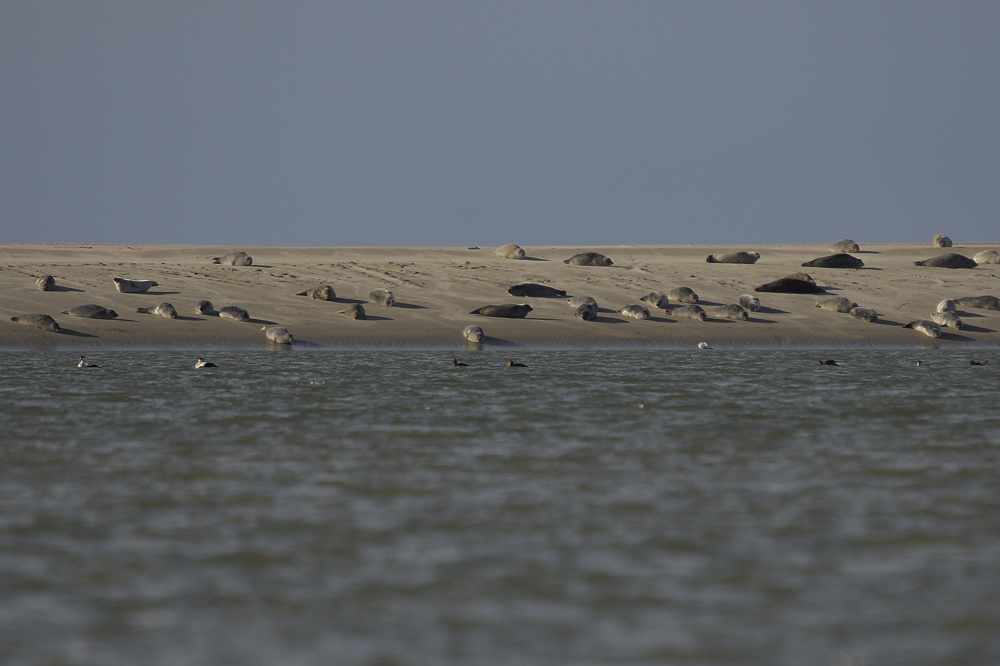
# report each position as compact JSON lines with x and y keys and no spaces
{"x":750,"y":303}
{"x":165,"y":310}
{"x":942,"y":241}
{"x":839,"y":260}
{"x":277,"y":334}
{"x":733,"y":312}
{"x":734,"y":258}
{"x":657,"y":299}
{"x":324,"y":292}
{"x":791,"y":285}
{"x":588,"y":259}
{"x":925,"y":326}
{"x":382,"y":297}
{"x":947,"y":305}
{"x":864,"y":314}
{"x":845,"y":246}
{"x":353,"y":311}
{"x":41,"y":321}
{"x":91,"y":311}
{"x":45,"y":283}
{"x":987,"y":257}
{"x":980,"y":302}
{"x":205,"y":308}
{"x":586,"y":312}
{"x":235,"y":312}
{"x":950,"y":260}
{"x":134,"y":286}
{"x":682,"y":295}
{"x":577,"y":301}
{"x":533,"y":290}
{"x":635,"y":311}
{"x":948,"y":320}
{"x":507,"y":310}
{"x":238,"y":258}
{"x":510,"y":251}
{"x":689,"y":312}
{"x":473,"y":333}
{"x":836,"y":304}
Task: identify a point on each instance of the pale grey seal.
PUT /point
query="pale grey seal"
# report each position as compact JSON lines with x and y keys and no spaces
{"x":353,"y":311}
{"x":734,"y":312}
{"x":238,"y":258}
{"x":844,"y":246}
{"x":577,"y":301}
{"x":657,"y":299}
{"x":950,"y":260}
{"x":165,"y":310}
{"x":205,"y":308}
{"x":682,"y":295}
{"x":588,"y":259}
{"x":586,"y":312}
{"x":942,"y":241}
{"x":508,"y":310}
{"x":534,"y":290}
{"x":925,"y":326}
{"x":202,"y":363}
{"x":734,"y":258}
{"x":91,"y":311}
{"x":235,"y":312}
{"x":836,"y":304}
{"x":510,"y":251}
{"x":473,"y":333}
{"x":134,"y":286}
{"x":947,"y":305}
{"x":981,"y":302}
{"x":323,"y":292}
{"x":987,"y":257}
{"x":45,"y":283}
{"x":278,"y":334}
{"x":839,"y":260}
{"x":791,"y":285}
{"x":382,"y":297}
{"x":41,"y":321}
{"x":948,"y":320}
{"x":750,"y":303}
{"x":864,"y":314}
{"x":636,"y":311}
{"x":689,"y":312}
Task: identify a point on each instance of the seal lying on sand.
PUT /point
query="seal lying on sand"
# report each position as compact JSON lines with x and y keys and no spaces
{"x":473,"y":333}
{"x":657,"y":299}
{"x":165,"y":310}
{"x":864,"y":314}
{"x":987,"y":257}
{"x":235,"y":312}
{"x":382,"y":297}
{"x":509,"y":310}
{"x":950,"y":260}
{"x":734,"y":258}
{"x":981,"y":302}
{"x":836,"y":304}
{"x":942,"y":241}
{"x":689,"y":312}
{"x":946,"y":305}
{"x":839,"y":260}
{"x":925,"y":326}
{"x":47,"y":282}
{"x":134,"y":286}
{"x":733,"y":312}
{"x":278,"y":334}
{"x":533,"y":290}
{"x":239,"y":258}
{"x":510,"y":251}
{"x":42,"y":321}
{"x":324,"y":292}
{"x":586,"y":312}
{"x":636,"y":311}
{"x":750,"y":303}
{"x":844,"y":246}
{"x":791,"y":285}
{"x":577,"y":301}
{"x":682,"y":295}
{"x":948,"y":320}
{"x":588,"y":259}
{"x":353,"y":311}
{"x":205,"y":308}
{"x":91,"y":311}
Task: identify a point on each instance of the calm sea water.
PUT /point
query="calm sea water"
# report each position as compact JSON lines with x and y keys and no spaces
{"x":619,"y":507}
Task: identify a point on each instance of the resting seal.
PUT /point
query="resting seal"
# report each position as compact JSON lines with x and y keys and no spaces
{"x":91,"y":311}
{"x":657,"y":299}
{"x":134,"y":286}
{"x":165,"y":310}
{"x":510,"y":251}
{"x":750,"y":303}
{"x":577,"y":301}
{"x":588,"y":259}
{"x":864,"y":314}
{"x":987,"y":257}
{"x":925,"y":326}
{"x":237,"y":312}
{"x":321,"y":293}
{"x":689,"y":312}
{"x":637,"y":311}
{"x":45,"y":283}
{"x":844,"y":246}
{"x":839,"y":260}
{"x":532,"y":290}
{"x":278,"y":334}
{"x":510,"y":311}
{"x":981,"y":302}
{"x":734,"y":312}
{"x":948,"y":320}
{"x":382,"y":297}
{"x":836,"y":304}
{"x":473,"y":333}
{"x":734,"y":258}
{"x":946,"y":306}
{"x":791,"y":285}
{"x":239,"y":258}
{"x":950,"y":260}
{"x":682,"y":295}
{"x":942,"y":241}
{"x":353,"y":311}
{"x":42,"y":321}
{"x":586,"y":312}
{"x":205,"y":308}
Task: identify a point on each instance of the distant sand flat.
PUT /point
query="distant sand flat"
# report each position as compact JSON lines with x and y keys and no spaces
{"x":436,"y":288}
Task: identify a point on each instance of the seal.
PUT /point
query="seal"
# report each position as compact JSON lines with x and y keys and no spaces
{"x":83,"y":364}
{"x":950,"y":260}
{"x":942,"y":241}
{"x":750,"y":303}
{"x":980,"y":302}
{"x":473,"y":333}
{"x":844,"y":246}
{"x":165,"y":310}
{"x":235,"y":312}
{"x":205,"y":308}
{"x":925,"y":326}
{"x":511,"y":364}
{"x":382,"y":297}
{"x":979,"y":363}
{"x":353,"y":311}
{"x":657,"y":299}
{"x":91,"y":311}
{"x":324,"y":292}
{"x":839,"y":260}
{"x":734,"y":258}
{"x":948,"y":320}
{"x":40,"y":321}
{"x":689,"y":312}
{"x":864,"y":314}
{"x":577,"y":301}
{"x":238,"y":258}
{"x":682,"y":295}
{"x":588,"y":259}
{"x":946,"y":305}
{"x":734,"y":312}
{"x":202,"y":363}
{"x":586,"y":312}
{"x":791,"y":285}
{"x":828,"y":361}
{"x":987,"y":257}
{"x":533,"y":290}
{"x":836,"y":304}
{"x":47,"y":282}
{"x":458,"y":364}
{"x":277,"y":334}
{"x":508,"y":310}
{"x":704,"y":345}
{"x":510,"y":251}
{"x":635,"y":311}
{"x":134,"y":286}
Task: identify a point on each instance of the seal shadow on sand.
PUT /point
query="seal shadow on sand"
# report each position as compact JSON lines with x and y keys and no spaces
{"x":887,"y":322}
{"x":59,"y":287}
{"x":157,"y":293}
{"x":265,"y":322}
{"x":75,"y":334}
{"x":409,"y":306}
{"x":955,"y":336}
{"x":978,"y":329}
{"x":758,"y":320}
{"x":767,"y":310}
{"x":371,"y":317}
{"x":663,"y":320}
{"x":613,"y":320}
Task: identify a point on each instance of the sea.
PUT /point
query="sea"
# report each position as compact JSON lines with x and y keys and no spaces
{"x":386,"y":507}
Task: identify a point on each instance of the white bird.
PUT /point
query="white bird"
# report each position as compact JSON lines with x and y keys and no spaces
{"x":703,"y":345}
{"x":202,"y":363}
{"x":83,"y":364}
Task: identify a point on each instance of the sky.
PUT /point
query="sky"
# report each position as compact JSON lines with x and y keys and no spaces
{"x":360,"y":123}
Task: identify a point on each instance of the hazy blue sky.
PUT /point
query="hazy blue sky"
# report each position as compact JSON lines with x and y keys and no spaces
{"x":460,"y":123}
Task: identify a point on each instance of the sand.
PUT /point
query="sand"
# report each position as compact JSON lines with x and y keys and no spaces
{"x":436,"y":288}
